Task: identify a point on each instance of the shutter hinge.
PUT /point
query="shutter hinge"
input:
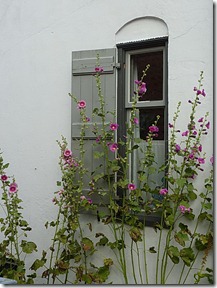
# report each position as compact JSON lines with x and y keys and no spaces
{"x":117,"y":65}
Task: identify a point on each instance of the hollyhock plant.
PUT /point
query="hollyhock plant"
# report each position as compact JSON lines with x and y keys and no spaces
{"x":67,"y":153}
{"x":13,"y":188}
{"x":131,"y":186}
{"x":4,"y":178}
{"x":99,"y":69}
{"x":141,"y":87}
{"x":177,"y":148}
{"x":203,"y":93}
{"x":98,"y":139}
{"x":184,"y":209}
{"x":208,"y":125}
{"x":201,"y":160}
{"x":113,"y":147}
{"x":136,"y":121}
{"x":200,"y":148}
{"x":81,"y":104}
{"x":212,"y":160}
{"x":113,"y":126}
{"x":185,"y":133}
{"x":163,"y":191}
{"x":90,"y":201}
{"x":153,"y":129}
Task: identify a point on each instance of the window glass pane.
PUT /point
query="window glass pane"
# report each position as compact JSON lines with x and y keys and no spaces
{"x":154,"y":77}
{"x":147,"y":117}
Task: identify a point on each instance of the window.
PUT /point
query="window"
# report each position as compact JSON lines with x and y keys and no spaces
{"x":133,"y":59}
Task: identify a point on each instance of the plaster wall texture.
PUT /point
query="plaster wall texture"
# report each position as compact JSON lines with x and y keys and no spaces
{"x":37,"y":38}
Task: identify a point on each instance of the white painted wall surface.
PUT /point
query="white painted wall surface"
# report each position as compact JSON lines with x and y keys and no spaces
{"x":37,"y":38}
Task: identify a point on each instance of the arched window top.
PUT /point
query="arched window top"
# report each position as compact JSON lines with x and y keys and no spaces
{"x":142,"y":28}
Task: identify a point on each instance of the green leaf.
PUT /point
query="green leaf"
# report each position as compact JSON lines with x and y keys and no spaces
{"x":108,"y":262}
{"x":202,"y":216}
{"x":169,"y":220}
{"x":207,"y":206}
{"x":28,"y":247}
{"x":115,"y":168}
{"x":103,"y":273}
{"x":135,"y":147}
{"x":98,"y":155}
{"x":37,"y":264}
{"x":187,"y":255}
{"x":87,"y":244}
{"x":152,"y":250}
{"x":200,"y":245}
{"x":5,"y":166}
{"x":135,"y":234}
{"x":59,"y":183}
{"x":87,"y":279}
{"x":103,"y":241}
{"x":189,"y":216}
{"x":192,"y":195}
{"x":181,"y":182}
{"x":173,"y":253}
{"x":181,"y":237}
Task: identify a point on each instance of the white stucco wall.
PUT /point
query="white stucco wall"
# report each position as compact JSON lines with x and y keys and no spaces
{"x":37,"y":38}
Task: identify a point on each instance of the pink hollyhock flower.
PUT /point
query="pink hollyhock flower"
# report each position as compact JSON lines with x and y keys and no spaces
{"x":203,"y":93}
{"x":81,"y":104}
{"x":90,"y":201}
{"x":113,"y":126}
{"x":67,"y":153}
{"x":99,"y":69}
{"x":177,"y":148}
{"x":54,"y":200}
{"x":113,"y":147}
{"x":98,"y":139}
{"x":170,"y":125}
{"x":60,"y":192}
{"x":185,"y":133}
{"x":184,"y":209}
{"x":198,"y":92}
{"x":212,"y":160}
{"x":191,"y":155}
{"x":208,"y":125}
{"x":153,"y":128}
{"x":136,"y":121}
{"x":200,"y":148}
{"x":82,"y":197}
{"x":201,"y":160}
{"x":163,"y":191}
{"x":131,"y":186}
{"x":201,"y":119}
{"x":4,"y":178}
{"x":141,"y":87}
{"x":87,"y":119}
{"x":13,"y":188}
{"x":195,"y":88}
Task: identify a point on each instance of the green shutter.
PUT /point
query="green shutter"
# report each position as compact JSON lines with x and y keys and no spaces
{"x":84,"y":88}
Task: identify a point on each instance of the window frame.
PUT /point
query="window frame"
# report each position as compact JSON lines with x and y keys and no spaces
{"x":124,"y":50}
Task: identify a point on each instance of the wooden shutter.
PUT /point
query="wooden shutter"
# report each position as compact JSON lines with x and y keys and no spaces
{"x":84,"y":88}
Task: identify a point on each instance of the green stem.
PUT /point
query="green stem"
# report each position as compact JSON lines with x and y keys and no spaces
{"x":139,"y":264}
{"x":132,"y":261}
{"x":144,"y":254}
